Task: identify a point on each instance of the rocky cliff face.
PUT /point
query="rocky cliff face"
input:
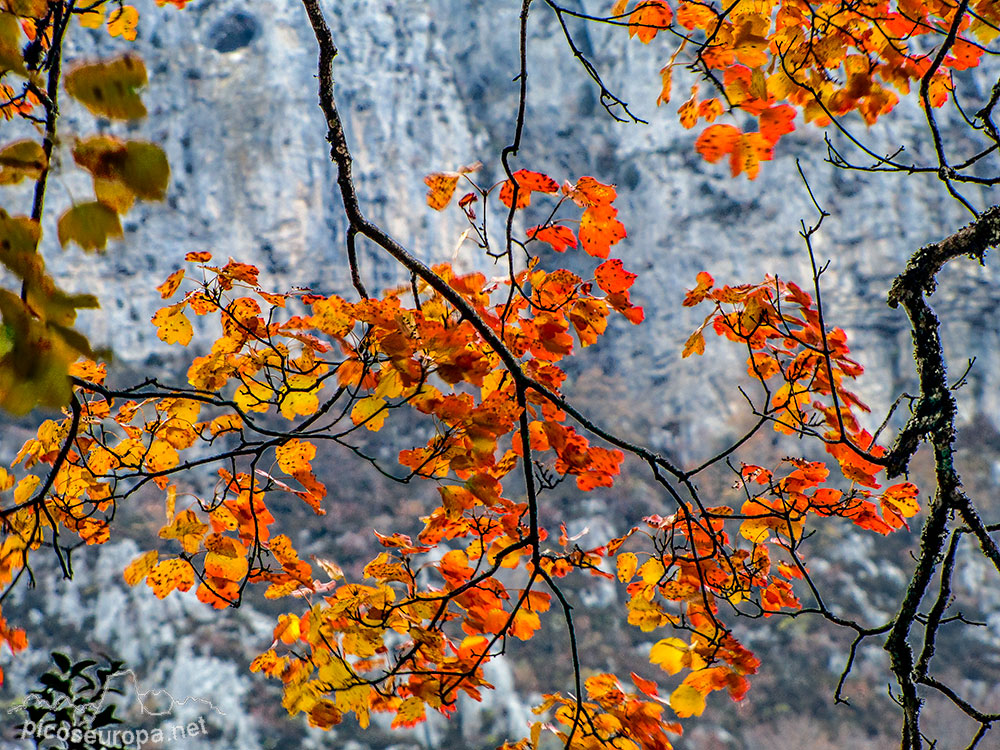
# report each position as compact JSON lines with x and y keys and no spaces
{"x":427,"y":85}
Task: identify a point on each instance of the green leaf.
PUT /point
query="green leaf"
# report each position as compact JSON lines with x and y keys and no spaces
{"x":146,"y":171}
{"x":108,"y":89}
{"x":89,"y":225}
{"x":62,"y":661}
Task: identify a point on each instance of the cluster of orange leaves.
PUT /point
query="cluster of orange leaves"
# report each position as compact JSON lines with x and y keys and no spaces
{"x":771,"y":58}
{"x":781,"y":327}
{"x":419,"y":630}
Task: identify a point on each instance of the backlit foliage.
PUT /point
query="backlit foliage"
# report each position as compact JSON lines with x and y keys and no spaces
{"x":768,"y":59}
{"x":294,"y":375}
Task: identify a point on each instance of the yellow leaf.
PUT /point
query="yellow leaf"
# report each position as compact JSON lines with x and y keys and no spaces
{"x":139,"y":568}
{"x":411,"y":712}
{"x":171,"y":502}
{"x":295,"y":455}
{"x":686,"y":701}
{"x":172,"y":325}
{"x":89,"y":225}
{"x":651,"y":571}
{"x":187,"y":529}
{"x":669,"y":655}
{"x":626,"y":565}
{"x":298,"y":403}
{"x":161,"y":456}
{"x":21,"y":159}
{"x":108,"y":89}
{"x":226,"y":558}
{"x":122,"y":22}
{"x":25,"y":488}
{"x":371,"y":411}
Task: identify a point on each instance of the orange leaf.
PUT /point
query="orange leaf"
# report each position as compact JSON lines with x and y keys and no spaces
{"x":696,"y":295}
{"x":139,"y":568}
{"x":612,"y":277}
{"x":750,"y":151}
{"x":556,"y":235}
{"x":716,"y":141}
{"x":666,"y":82}
{"x":589,"y":192}
{"x":527,"y":182}
{"x":169,"y":575}
{"x":441,"y":187}
{"x":709,"y":109}
{"x":295,"y":455}
{"x":900,"y":500}
{"x":694,"y":345}
{"x":599,"y":230}
{"x":168,"y":287}
{"x":776,"y":121}
{"x":649,"y":19}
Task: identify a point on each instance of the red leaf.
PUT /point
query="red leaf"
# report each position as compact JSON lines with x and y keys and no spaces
{"x":558,"y":236}
{"x":612,"y":277}
{"x":716,"y":141}
{"x":527,"y":182}
{"x":599,"y":230}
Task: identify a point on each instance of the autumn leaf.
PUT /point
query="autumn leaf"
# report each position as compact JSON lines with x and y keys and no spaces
{"x":169,"y":575}
{"x":109,"y":89}
{"x":122,"y":22}
{"x":776,"y":121}
{"x":749,"y":151}
{"x":440,"y":189}
{"x":139,"y":568}
{"x":701,"y":290}
{"x":648,"y":19}
{"x":599,"y":230}
{"x":295,"y":455}
{"x":612,"y":277}
{"x":686,"y":701}
{"x":370,"y":411}
{"x":695,"y":344}
{"x":900,"y":500}
{"x":20,"y":160}
{"x":168,"y":287}
{"x":172,"y":325}
{"x":441,"y":185}
{"x":187,"y":529}
{"x":527,"y":183}
{"x":666,"y":84}
{"x":589,"y":192}
{"x":626,"y":565}
{"x":558,"y":236}
{"x":89,"y":225}
{"x":716,"y":141}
